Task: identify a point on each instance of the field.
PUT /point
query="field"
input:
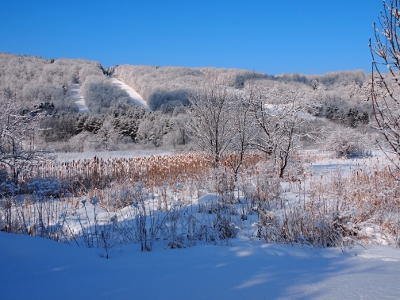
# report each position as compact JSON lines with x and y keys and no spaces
{"x":327,"y":223}
{"x":181,"y":200}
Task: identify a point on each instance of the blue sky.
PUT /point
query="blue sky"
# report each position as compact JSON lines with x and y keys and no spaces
{"x":302,"y":36}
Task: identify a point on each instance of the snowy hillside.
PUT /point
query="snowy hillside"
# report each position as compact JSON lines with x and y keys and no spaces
{"x":78,"y":99}
{"x":136,"y":98}
{"x":76,"y":94}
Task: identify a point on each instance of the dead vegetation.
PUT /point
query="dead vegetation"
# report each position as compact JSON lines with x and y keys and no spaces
{"x":142,"y":198}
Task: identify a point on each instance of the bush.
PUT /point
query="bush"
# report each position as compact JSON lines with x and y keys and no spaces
{"x":346,"y":142}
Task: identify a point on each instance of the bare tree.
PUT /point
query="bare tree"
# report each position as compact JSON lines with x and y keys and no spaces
{"x":211,"y":125}
{"x":243,"y":131}
{"x":17,"y":139}
{"x":277,"y":114}
{"x":226,"y":121}
{"x":385,"y":87}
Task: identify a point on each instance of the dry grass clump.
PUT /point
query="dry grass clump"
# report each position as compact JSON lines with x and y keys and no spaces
{"x":335,"y":209}
{"x":99,"y":173}
{"x":372,"y":196}
{"x":102,"y":177}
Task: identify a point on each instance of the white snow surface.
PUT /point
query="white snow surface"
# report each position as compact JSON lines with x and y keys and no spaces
{"x":136,"y":98}
{"x":70,"y":156}
{"x":78,"y":98}
{"x":36,"y":268}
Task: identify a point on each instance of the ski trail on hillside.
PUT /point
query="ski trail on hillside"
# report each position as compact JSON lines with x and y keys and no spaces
{"x":78,"y":98}
{"x":137,"y":99}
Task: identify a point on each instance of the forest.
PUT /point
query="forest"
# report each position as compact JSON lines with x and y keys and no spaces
{"x":113,"y":122}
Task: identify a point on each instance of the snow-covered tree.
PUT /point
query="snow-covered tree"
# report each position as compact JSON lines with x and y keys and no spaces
{"x":345,"y":141}
{"x":211,"y":127}
{"x":243,"y":129}
{"x":178,"y":134}
{"x":385,"y":87}
{"x":17,"y":139}
{"x":108,"y":135}
{"x":277,"y":114}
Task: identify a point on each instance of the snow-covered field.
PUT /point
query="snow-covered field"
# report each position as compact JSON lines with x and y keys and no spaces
{"x":243,"y":267}
{"x":70,"y":156}
{"x":36,"y":268}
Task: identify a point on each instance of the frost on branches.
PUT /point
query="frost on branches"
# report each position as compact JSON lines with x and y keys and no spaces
{"x":385,"y":88}
{"x":17,"y":140}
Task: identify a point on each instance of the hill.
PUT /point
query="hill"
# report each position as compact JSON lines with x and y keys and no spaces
{"x":82,"y":98}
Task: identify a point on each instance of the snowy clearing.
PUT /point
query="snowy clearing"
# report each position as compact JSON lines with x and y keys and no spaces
{"x":70,"y":156}
{"x":136,"y":98}
{"x":78,"y":98}
{"x":35,"y":268}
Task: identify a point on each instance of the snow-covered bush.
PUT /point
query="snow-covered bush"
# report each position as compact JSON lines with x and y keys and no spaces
{"x":44,"y":188}
{"x":8,"y":188}
{"x":346,"y":142}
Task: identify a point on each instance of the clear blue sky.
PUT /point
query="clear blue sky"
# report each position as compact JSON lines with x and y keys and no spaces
{"x":303,"y":36}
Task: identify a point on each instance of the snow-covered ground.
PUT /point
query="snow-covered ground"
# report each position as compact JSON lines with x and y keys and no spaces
{"x":70,"y":156}
{"x":36,"y":268}
{"x":78,"y":98}
{"x":136,"y":98}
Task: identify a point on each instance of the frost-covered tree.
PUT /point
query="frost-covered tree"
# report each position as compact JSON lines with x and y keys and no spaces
{"x":244,"y":131}
{"x":29,"y":79}
{"x":94,"y":123}
{"x":107,"y":135}
{"x":17,"y":139}
{"x":211,"y":127}
{"x":277,"y":114}
{"x":178,"y":134}
{"x":127,"y":121}
{"x":152,"y":128}
{"x":385,"y":88}
{"x":101,"y":95}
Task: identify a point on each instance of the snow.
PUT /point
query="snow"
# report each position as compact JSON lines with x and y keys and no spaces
{"x":78,"y":98}
{"x":328,"y":165}
{"x":80,"y":101}
{"x":136,"y":98}
{"x":35,"y":268}
{"x":70,"y":156}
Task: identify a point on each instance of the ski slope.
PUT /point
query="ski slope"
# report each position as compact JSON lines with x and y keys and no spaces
{"x":78,"y":98}
{"x":136,"y":98}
